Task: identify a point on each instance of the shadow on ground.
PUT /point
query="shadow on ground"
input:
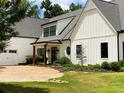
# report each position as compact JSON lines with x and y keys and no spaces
{"x":8,"y":88}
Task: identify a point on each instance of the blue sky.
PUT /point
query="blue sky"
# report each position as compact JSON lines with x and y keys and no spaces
{"x":64,"y":3}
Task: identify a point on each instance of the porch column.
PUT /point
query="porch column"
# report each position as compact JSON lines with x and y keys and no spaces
{"x":34,"y":55}
{"x":45,"y":58}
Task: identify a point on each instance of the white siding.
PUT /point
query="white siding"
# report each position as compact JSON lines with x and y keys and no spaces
{"x":23,"y":47}
{"x":92,"y":25}
{"x":92,"y":30}
{"x":121,"y":40}
{"x":63,"y":47}
{"x":93,"y":50}
{"x":61,"y":24}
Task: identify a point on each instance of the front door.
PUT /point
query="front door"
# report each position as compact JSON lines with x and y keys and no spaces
{"x":53,"y":54}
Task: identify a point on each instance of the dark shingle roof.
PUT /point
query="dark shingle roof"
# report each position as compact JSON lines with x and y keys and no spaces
{"x":121,"y":11}
{"x":75,"y":16}
{"x":110,"y":11}
{"x":29,"y":27}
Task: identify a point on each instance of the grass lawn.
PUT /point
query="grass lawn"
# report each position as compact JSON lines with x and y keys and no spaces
{"x":79,"y":82}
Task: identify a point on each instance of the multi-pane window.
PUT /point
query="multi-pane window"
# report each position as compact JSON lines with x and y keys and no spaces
{"x":50,"y":31}
{"x":78,"y":51}
{"x":104,"y":50}
{"x":40,"y":52}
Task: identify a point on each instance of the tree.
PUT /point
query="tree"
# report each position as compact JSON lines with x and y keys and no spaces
{"x":11,"y":11}
{"x":73,"y":6}
{"x":47,"y":5}
{"x":56,"y":10}
{"x":51,"y":10}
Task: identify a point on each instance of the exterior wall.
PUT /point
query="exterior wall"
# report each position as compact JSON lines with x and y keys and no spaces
{"x":121,"y":40}
{"x":92,"y":50}
{"x":92,"y":30}
{"x":23,"y":47}
{"x":63,"y":47}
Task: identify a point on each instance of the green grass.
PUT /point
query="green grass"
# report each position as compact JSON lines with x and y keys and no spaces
{"x":79,"y":82}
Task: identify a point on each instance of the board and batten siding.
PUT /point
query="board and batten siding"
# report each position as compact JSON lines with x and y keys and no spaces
{"x":121,"y":40}
{"x":92,"y":30}
{"x":22,"y":46}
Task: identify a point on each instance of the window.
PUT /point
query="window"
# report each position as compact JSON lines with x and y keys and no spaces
{"x":40,"y":52}
{"x":78,"y":50}
{"x":104,"y":50}
{"x":50,"y":31}
{"x":13,"y":51}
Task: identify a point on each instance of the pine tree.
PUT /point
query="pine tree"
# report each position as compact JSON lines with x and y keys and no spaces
{"x":10,"y":13}
{"x":73,"y":6}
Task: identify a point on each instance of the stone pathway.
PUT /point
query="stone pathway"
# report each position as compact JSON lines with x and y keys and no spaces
{"x":27,"y":73}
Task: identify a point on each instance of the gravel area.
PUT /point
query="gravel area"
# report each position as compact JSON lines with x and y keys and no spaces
{"x":27,"y":73}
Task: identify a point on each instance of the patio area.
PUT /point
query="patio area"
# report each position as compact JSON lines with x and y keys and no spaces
{"x":27,"y":73}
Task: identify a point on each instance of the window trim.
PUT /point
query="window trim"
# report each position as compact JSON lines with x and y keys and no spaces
{"x":107,"y":56}
{"x":49,"y":31}
{"x":77,"y":55}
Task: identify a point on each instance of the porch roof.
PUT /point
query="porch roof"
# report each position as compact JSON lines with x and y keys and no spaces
{"x":47,"y":42}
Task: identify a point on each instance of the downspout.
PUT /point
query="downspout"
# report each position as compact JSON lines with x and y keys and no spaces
{"x":118,"y":41}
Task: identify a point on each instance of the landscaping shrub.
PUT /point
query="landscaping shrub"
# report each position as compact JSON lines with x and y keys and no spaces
{"x":93,"y":67}
{"x":115,"y":66}
{"x":29,"y":59}
{"x":63,"y":61}
{"x":105,"y":65}
{"x":121,"y":63}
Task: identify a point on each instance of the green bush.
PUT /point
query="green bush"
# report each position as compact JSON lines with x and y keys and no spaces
{"x":106,"y":66}
{"x":63,"y":61}
{"x":121,"y":63}
{"x":93,"y":67}
{"x":29,"y":59}
{"x":115,"y":66}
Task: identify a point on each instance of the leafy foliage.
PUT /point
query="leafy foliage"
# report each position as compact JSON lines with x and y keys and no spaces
{"x":51,"y":10}
{"x":115,"y":66}
{"x":11,"y":11}
{"x":73,"y":6}
{"x":63,"y":61}
{"x":105,"y":65}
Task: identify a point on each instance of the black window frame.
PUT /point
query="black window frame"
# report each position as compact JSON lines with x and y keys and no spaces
{"x":51,"y":31}
{"x":104,"y":50}
{"x":78,"y":51}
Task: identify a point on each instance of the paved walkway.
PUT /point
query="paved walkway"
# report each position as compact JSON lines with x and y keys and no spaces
{"x":27,"y":73}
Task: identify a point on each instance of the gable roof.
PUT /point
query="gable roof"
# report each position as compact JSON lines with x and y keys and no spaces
{"x":109,"y":10}
{"x":29,"y":27}
{"x":121,"y":11}
{"x":74,"y":15}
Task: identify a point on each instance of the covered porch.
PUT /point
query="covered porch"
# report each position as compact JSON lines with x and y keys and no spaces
{"x":49,"y":51}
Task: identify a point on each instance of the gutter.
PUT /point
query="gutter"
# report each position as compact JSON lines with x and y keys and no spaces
{"x":118,"y":41}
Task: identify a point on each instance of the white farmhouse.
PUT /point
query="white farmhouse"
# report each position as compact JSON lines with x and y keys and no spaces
{"x":97,"y":30}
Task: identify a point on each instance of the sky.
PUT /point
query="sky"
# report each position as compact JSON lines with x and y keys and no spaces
{"x":64,"y":3}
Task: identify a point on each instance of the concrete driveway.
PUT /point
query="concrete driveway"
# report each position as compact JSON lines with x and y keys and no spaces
{"x":27,"y":73}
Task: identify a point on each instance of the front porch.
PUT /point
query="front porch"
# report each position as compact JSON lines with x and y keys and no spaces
{"x":49,"y":51}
